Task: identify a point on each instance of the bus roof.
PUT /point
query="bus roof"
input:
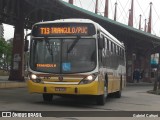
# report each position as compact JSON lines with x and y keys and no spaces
{"x":110,"y":36}
{"x":80,"y":20}
{"x":75,"y":20}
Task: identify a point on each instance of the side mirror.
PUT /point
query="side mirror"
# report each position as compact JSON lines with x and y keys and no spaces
{"x":101,"y":43}
{"x":26,"y":44}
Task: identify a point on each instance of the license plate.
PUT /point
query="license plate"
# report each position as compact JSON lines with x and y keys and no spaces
{"x":60,"y":89}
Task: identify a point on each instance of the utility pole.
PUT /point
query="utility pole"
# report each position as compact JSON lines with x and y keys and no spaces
{"x":71,"y":2}
{"x":115,"y":14}
{"x":106,"y":9}
{"x":150,"y":19}
{"x":96,"y":7}
{"x":130,"y":21}
{"x":145,"y":26}
{"x":140,"y":16}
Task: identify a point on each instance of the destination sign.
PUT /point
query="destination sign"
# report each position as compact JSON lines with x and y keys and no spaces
{"x":46,"y":65}
{"x":63,"y":29}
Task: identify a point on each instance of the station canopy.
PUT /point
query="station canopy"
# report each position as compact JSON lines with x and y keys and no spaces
{"x":48,"y":10}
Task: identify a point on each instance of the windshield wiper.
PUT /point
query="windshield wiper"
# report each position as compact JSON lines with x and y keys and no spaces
{"x":73,"y":44}
{"x":49,"y":47}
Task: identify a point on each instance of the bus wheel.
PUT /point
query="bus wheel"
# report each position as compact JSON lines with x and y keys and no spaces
{"x":106,"y":86}
{"x":117,"y":94}
{"x":101,"y":100}
{"x":47,"y":97}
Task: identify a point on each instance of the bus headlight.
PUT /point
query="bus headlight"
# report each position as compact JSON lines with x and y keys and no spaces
{"x":88,"y":79}
{"x":35,"y":79}
{"x":33,"y":76}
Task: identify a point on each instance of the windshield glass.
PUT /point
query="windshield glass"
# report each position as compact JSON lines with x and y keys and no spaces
{"x":63,"y":55}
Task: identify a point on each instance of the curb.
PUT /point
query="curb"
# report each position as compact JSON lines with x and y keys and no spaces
{"x":139,"y":84}
{"x":154,"y":92}
{"x":12,"y":84}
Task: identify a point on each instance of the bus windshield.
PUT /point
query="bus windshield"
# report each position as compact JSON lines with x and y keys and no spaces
{"x":60,"y":56}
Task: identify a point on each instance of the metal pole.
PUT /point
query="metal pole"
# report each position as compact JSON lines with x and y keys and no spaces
{"x":150,"y":19}
{"x":106,"y":9}
{"x":145,"y":26}
{"x":115,"y":14}
{"x":96,"y":7}
{"x":130,"y":21}
{"x":71,"y":2}
{"x":140,"y":16}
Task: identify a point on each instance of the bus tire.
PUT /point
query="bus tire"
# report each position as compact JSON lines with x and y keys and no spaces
{"x":106,"y":86}
{"x":47,"y":97}
{"x":101,"y":100}
{"x":118,"y":93}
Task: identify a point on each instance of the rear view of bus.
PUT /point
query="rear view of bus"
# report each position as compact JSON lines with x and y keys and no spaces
{"x":64,"y":60}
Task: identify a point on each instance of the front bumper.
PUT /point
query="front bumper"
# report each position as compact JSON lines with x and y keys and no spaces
{"x":85,"y":89}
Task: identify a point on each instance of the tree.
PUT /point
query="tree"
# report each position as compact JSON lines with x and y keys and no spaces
{"x":2,"y":51}
{"x":8,"y":53}
{"x":2,"y":46}
{"x":5,"y":53}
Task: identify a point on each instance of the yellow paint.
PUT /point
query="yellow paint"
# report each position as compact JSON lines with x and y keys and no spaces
{"x":93,"y":88}
{"x":86,"y":89}
{"x":113,"y":83}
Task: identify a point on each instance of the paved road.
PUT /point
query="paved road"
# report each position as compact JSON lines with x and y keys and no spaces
{"x":133,"y":99}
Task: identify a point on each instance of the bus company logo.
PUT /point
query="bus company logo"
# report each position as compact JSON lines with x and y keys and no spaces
{"x":60,"y":78}
{"x":6,"y":114}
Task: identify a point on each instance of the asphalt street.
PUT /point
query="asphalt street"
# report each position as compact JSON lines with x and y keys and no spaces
{"x":134,"y":98}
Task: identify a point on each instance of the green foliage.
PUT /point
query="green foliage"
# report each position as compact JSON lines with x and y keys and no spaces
{"x":2,"y":46}
{"x":5,"y":53}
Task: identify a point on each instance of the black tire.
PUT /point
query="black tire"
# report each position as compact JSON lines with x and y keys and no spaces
{"x":101,"y":100}
{"x":106,"y":85}
{"x":117,"y":94}
{"x":47,"y":97}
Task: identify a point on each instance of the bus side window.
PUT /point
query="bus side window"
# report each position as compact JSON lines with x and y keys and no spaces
{"x":115,"y":49}
{"x":101,"y":42}
{"x":111,"y":46}
{"x":120,"y":52}
{"x":107,"y":44}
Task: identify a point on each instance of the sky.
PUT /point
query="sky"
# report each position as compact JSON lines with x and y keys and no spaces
{"x":140,"y":7}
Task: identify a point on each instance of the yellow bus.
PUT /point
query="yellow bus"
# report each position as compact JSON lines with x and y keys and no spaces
{"x":75,"y":57}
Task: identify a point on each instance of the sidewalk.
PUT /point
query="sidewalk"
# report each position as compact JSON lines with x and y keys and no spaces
{"x":140,"y":84}
{"x":5,"y":83}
